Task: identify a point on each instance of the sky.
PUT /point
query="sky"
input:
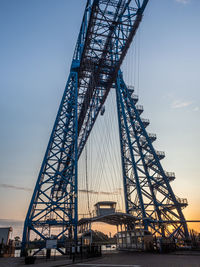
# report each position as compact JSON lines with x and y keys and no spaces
{"x":37,"y":43}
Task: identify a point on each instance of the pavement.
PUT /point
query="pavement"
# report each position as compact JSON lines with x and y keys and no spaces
{"x":121,"y":259}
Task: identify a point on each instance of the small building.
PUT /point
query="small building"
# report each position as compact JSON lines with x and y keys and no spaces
{"x":5,"y":235}
{"x":105,"y":207}
{"x":129,"y":236}
{"x":6,"y":244}
{"x":137,"y":239}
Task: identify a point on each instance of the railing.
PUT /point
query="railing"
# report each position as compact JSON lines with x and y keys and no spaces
{"x":130,"y":88}
{"x":152,"y":136}
{"x":139,"y":108}
{"x":135,"y":98}
{"x":143,"y":140}
{"x":170,"y":175}
{"x":182,"y":201}
{"x":146,"y":122}
{"x":160,"y":154}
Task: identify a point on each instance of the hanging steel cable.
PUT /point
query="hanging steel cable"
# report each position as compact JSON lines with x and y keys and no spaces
{"x":107,"y":30}
{"x":86,"y":178}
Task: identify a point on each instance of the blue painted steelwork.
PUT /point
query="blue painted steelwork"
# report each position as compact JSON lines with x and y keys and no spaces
{"x":54,"y":201}
{"x":107,"y":29}
{"x":148,"y":194}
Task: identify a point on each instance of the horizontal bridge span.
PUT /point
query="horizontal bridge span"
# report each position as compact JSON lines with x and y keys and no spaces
{"x":116,"y":218}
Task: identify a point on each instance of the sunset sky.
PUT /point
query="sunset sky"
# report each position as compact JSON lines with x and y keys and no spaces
{"x":37,"y":43}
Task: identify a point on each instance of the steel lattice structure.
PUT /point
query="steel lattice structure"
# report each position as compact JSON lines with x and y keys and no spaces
{"x":147,"y":189}
{"x":107,"y":30}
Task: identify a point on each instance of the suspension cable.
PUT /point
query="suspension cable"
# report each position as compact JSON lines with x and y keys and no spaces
{"x":86,"y":177}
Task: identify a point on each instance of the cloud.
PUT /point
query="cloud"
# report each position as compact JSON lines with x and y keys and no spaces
{"x":181,"y":104}
{"x":183,"y":1}
{"x":116,"y":192}
{"x":196,"y":109}
{"x":15,"y":187}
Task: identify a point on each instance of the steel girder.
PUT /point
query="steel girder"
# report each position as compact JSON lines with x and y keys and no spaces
{"x":54,"y":200}
{"x":147,"y":190}
{"x":107,"y":30}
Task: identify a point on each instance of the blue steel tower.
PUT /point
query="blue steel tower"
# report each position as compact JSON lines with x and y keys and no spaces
{"x":107,"y":30}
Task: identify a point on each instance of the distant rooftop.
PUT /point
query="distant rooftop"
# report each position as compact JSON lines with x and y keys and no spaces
{"x":105,"y":203}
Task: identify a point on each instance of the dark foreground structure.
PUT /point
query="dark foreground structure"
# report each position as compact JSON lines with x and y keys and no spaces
{"x":122,"y":259}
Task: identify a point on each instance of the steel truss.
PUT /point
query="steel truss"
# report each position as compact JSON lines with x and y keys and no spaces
{"x":147,"y":190}
{"x":106,"y":32}
{"x":54,"y":200}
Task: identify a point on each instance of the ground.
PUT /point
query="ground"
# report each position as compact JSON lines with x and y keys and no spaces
{"x":121,"y":259}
